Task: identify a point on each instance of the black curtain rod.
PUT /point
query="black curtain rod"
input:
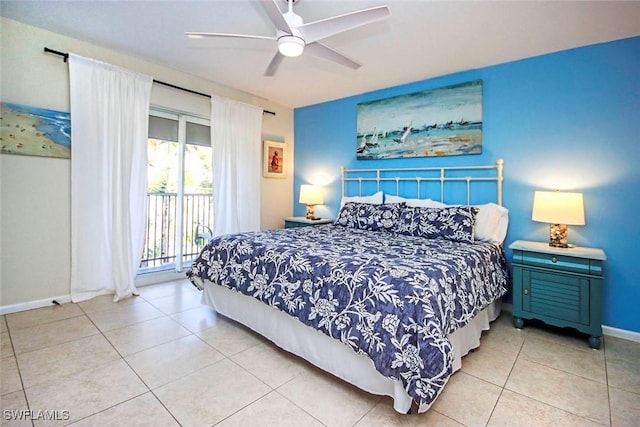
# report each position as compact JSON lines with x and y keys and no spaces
{"x":65,"y":56}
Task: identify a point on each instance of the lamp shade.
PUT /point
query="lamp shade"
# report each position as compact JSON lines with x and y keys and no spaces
{"x":311,"y":195}
{"x":557,"y":207}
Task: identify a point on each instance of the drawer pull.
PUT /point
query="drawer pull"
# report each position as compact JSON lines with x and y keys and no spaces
{"x":554,"y":260}
{"x":526,"y":291}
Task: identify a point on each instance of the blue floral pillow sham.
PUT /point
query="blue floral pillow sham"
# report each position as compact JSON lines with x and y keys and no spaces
{"x":366,"y":216}
{"x":451,"y":223}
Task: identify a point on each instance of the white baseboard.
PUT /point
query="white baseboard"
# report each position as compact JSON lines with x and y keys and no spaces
{"x":30,"y":305}
{"x":621,"y":333}
{"x":158,"y":277}
{"x":141,"y":280}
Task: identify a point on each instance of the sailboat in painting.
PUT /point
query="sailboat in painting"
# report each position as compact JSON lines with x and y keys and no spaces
{"x":372,"y":142}
{"x":405,"y":135}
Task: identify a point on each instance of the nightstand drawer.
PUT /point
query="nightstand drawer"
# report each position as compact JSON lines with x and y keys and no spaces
{"x":556,"y":262}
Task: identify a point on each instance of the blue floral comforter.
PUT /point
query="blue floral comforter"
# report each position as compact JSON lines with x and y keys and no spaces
{"x":393,"y":298}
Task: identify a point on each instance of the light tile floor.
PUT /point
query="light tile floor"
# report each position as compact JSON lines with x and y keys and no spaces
{"x":163,"y":359}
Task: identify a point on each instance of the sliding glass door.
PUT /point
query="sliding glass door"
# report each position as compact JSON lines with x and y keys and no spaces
{"x":179,"y":194}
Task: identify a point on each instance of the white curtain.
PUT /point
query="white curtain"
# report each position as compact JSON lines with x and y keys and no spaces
{"x":109,"y":125}
{"x":236,"y":131}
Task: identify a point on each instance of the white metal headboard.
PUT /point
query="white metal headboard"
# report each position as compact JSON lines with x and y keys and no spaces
{"x":442,"y":174}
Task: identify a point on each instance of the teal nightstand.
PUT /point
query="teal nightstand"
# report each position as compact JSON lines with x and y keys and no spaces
{"x":301,"y":221}
{"x":561,"y":287}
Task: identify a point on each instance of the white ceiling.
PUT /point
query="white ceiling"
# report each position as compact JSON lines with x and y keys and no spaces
{"x":421,"y":39}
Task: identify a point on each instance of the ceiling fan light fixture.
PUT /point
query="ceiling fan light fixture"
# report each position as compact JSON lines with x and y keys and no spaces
{"x":290,"y":45}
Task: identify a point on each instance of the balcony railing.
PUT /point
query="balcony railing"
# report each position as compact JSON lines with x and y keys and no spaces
{"x":160,"y":247}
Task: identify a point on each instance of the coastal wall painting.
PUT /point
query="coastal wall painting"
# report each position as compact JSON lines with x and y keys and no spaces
{"x":32,"y":131}
{"x":437,"y":122}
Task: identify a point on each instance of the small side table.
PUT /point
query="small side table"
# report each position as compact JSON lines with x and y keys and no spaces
{"x":560,"y":286}
{"x":301,"y":221}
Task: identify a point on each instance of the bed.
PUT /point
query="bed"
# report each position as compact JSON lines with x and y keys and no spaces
{"x":390,"y":297}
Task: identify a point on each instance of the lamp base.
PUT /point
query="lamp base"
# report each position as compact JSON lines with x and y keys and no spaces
{"x":310,"y":214}
{"x":558,"y":235}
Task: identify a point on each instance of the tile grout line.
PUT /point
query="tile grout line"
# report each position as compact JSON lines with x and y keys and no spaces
{"x":555,"y":369}
{"x":272,"y":388}
{"x":149,"y":390}
{"x":294,"y":403}
{"x":225,"y":357}
{"x":15,"y":357}
{"x":606,"y":379}
{"x":504,"y":386}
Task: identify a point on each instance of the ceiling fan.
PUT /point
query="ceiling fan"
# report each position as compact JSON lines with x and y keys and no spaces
{"x":294,"y":36}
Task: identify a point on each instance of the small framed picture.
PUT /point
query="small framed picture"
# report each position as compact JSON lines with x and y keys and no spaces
{"x":274,"y":159}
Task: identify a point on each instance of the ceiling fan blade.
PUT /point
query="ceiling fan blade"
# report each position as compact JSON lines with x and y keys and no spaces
{"x":274,"y":64}
{"x":275,"y":15}
{"x":322,"y":51}
{"x":193,"y":34}
{"x":318,"y":30}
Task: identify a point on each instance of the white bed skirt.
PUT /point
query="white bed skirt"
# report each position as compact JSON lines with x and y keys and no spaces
{"x":328,"y":353}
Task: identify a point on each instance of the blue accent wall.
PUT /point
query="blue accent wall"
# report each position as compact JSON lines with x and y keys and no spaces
{"x":568,"y":120}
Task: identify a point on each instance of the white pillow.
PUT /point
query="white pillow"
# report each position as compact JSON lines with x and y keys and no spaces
{"x":492,"y":222}
{"x":414,"y":203}
{"x":374,"y":199}
{"x":425,"y":203}
{"x":390,"y":198}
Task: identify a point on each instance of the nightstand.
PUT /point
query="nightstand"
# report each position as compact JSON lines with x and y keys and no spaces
{"x":301,"y":221}
{"x":560,"y":286}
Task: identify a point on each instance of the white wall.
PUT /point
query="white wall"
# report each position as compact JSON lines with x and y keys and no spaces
{"x":35,"y":199}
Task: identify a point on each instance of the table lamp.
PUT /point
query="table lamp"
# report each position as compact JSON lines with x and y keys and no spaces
{"x":311,"y":195}
{"x":559,"y":209}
